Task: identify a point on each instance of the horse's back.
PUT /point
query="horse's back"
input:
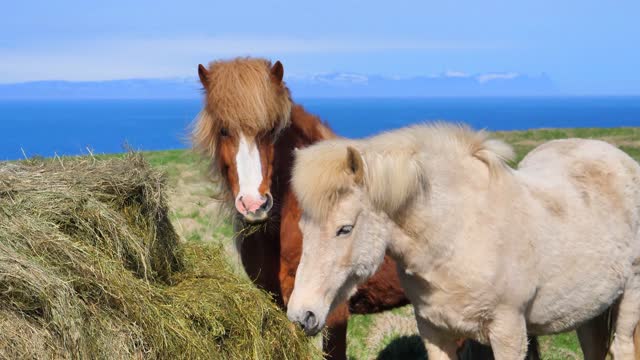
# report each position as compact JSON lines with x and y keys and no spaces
{"x":589,"y":178}
{"x":590,"y":167}
{"x":560,"y":153}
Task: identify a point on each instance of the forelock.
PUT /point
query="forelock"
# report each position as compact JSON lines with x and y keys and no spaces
{"x":321,"y":177}
{"x":243,"y":97}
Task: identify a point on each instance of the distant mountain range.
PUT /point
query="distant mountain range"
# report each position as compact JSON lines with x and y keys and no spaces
{"x":321,"y":85}
{"x":447,"y":84}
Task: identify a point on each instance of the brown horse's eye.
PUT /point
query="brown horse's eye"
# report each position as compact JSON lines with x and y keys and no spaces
{"x":224,"y":132}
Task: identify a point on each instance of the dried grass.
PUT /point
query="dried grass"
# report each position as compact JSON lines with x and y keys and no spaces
{"x":91,"y":267}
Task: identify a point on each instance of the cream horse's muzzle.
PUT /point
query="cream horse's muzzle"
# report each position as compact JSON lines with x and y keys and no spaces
{"x":307,"y":320}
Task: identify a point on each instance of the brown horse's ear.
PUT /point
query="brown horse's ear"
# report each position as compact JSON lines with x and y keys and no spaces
{"x":203,"y":73}
{"x":355,"y":164}
{"x":277,"y":70}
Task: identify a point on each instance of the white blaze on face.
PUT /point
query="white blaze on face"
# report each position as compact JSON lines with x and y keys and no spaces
{"x":249,"y":170}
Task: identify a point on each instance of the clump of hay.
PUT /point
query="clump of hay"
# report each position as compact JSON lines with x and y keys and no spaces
{"x":90,"y":267}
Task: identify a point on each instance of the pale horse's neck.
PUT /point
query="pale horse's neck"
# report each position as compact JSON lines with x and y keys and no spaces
{"x":457,"y":192}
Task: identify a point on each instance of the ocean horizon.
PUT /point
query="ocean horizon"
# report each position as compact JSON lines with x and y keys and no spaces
{"x":75,"y":127}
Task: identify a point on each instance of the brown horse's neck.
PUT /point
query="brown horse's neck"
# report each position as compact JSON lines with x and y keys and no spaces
{"x":305,"y":129}
{"x":261,"y":251}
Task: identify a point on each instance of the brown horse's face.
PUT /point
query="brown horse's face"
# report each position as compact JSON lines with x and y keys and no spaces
{"x":246,"y":162}
{"x":254,"y":92}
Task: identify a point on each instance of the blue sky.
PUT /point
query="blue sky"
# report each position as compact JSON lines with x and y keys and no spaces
{"x":586,"y":47}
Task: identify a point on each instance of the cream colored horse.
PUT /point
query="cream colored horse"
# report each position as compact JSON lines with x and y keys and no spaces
{"x":487,"y":252}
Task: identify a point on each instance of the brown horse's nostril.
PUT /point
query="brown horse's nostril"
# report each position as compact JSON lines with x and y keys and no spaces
{"x":242,"y":202}
{"x":268,"y":204}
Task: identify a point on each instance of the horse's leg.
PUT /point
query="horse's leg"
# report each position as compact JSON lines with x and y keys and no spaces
{"x":622,"y":347}
{"x":439,"y":346}
{"x":533,"y":348}
{"x":594,"y":337}
{"x":636,"y":341}
{"x":472,"y":350}
{"x":334,"y":344}
{"x":508,"y":335}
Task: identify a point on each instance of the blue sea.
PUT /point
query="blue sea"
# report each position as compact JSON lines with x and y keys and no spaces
{"x":73,"y":127}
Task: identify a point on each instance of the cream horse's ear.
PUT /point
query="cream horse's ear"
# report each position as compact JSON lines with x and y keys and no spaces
{"x":355,"y":164}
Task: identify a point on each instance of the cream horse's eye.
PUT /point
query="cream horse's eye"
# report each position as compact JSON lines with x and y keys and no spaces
{"x":344,"y":230}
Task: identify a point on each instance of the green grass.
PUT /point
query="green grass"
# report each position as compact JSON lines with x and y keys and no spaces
{"x":167,"y":160}
{"x":162,"y":157}
{"x":171,"y":157}
{"x":358,"y":329}
{"x":184,"y":166}
{"x":633,"y":151}
{"x":586,"y":133}
{"x":226,"y":228}
{"x":560,"y":347}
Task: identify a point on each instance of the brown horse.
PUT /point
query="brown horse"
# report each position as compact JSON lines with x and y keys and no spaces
{"x":249,"y":128}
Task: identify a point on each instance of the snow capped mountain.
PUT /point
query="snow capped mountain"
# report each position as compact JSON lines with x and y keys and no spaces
{"x":450,"y":83}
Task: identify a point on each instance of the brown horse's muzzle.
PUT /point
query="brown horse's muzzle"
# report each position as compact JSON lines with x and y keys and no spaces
{"x":254,"y":210}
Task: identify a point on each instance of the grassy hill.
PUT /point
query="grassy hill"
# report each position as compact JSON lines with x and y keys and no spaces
{"x":391,"y":335}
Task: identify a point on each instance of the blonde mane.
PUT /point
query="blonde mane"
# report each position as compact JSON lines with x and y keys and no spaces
{"x":241,"y":96}
{"x":393,"y":170}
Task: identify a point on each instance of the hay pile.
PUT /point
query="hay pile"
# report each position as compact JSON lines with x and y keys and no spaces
{"x":90,"y":267}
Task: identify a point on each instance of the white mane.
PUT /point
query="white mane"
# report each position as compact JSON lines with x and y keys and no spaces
{"x":393,"y":171}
